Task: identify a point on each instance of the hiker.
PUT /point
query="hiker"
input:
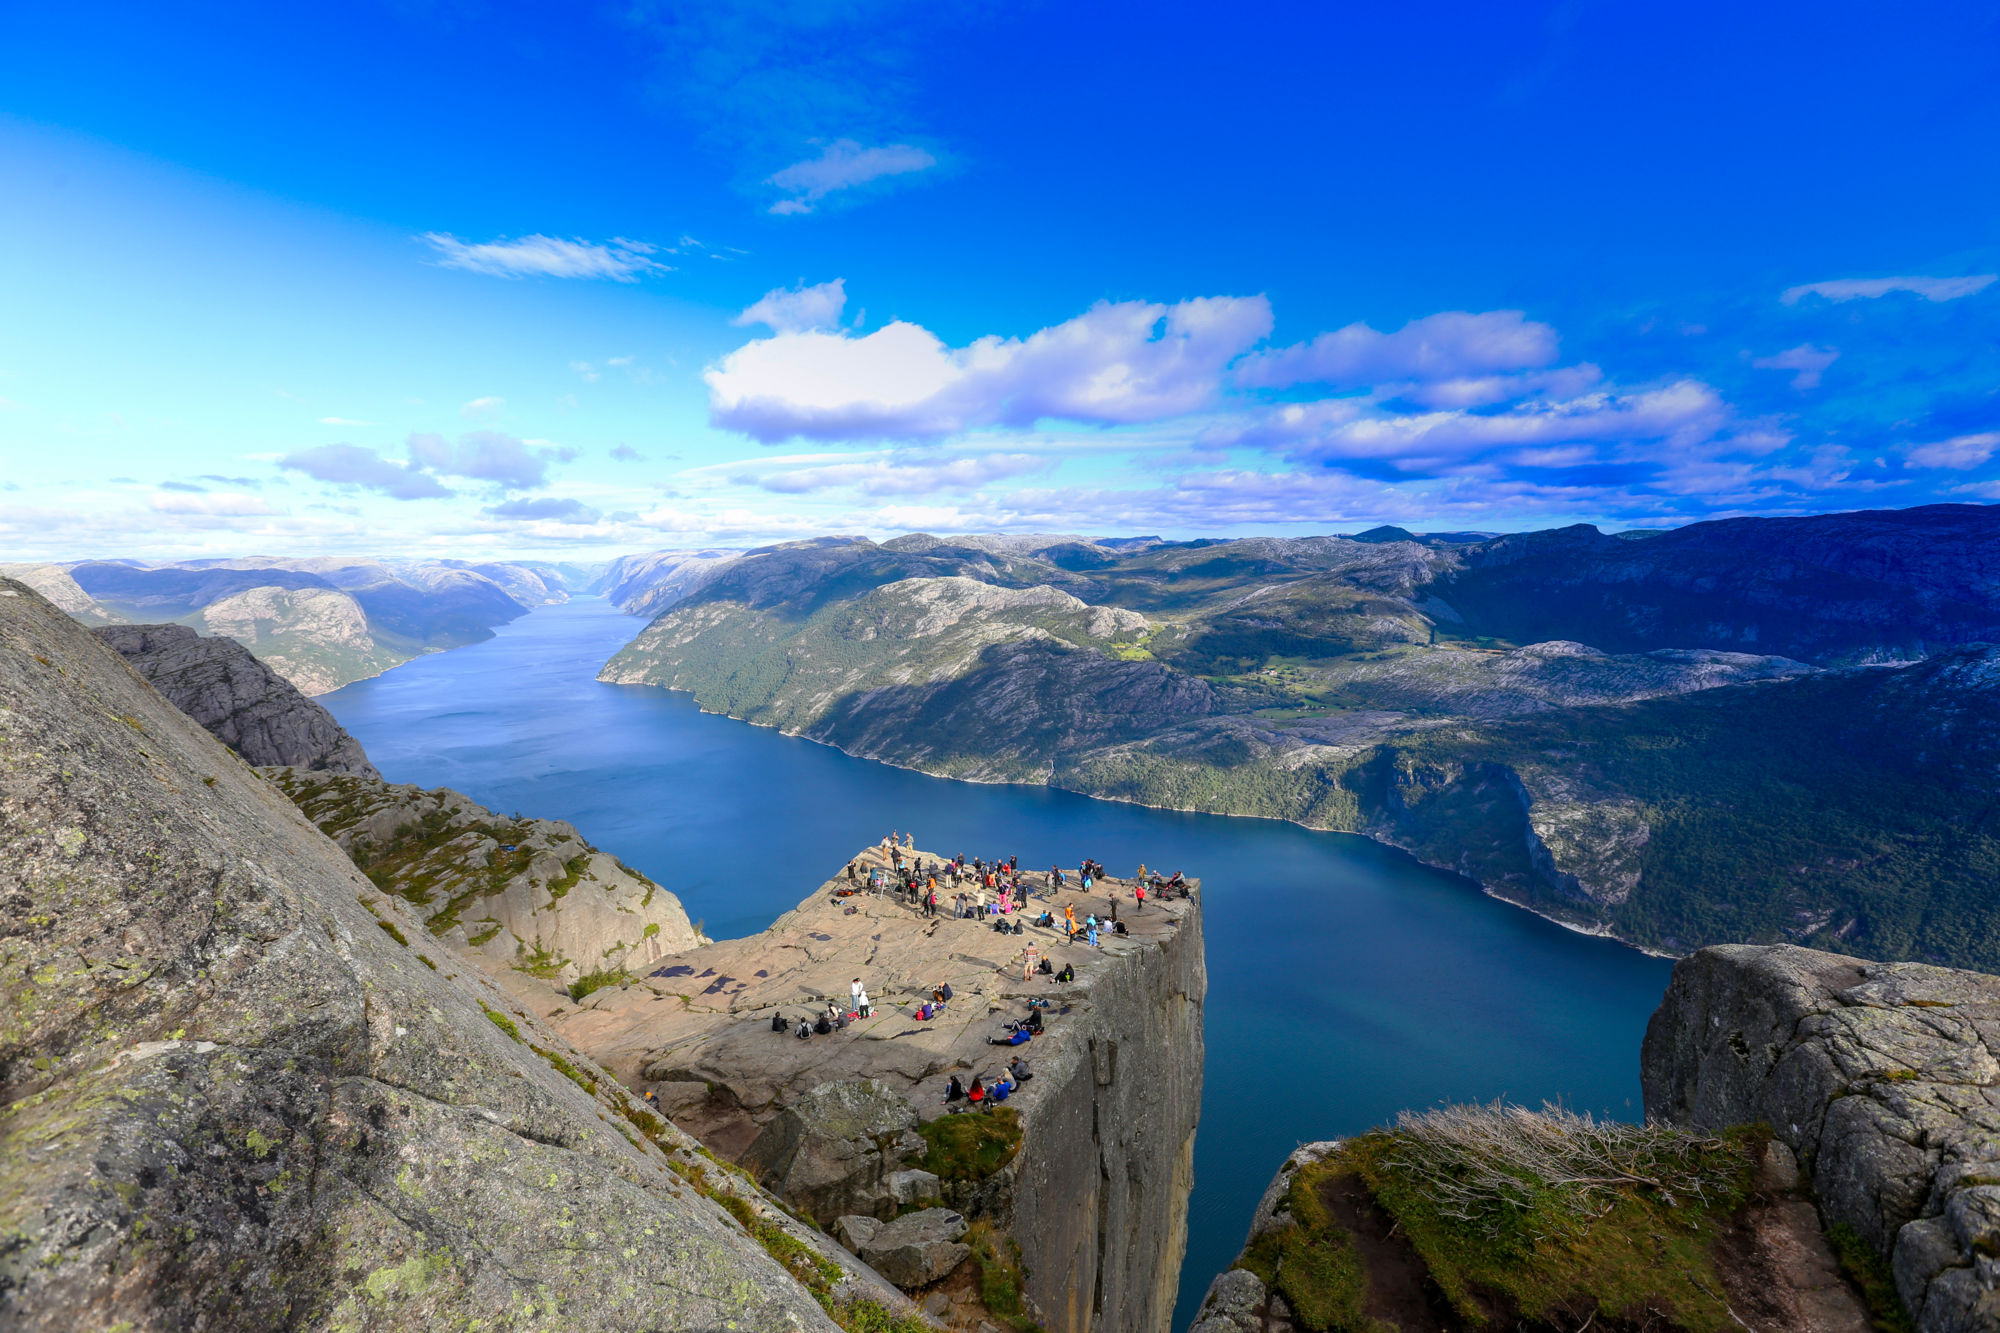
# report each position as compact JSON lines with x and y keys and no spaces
{"x":1140,"y":894}
{"x":824,"y":1026}
{"x":1001,"y":1087}
{"x":954,"y":1091}
{"x":856,"y":995}
{"x":1018,"y":1068}
{"x":777,"y":1021}
{"x":1033,"y":1024}
{"x":1045,"y":968}
{"x":976,"y":1094}
{"x":1067,"y":975}
{"x":805,"y":1030}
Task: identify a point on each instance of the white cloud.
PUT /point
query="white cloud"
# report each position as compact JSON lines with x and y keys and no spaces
{"x":546,"y":509}
{"x":586,"y":370}
{"x":352,"y":465}
{"x":842,"y":165}
{"x":1681,"y":414}
{"x":1486,"y":390}
{"x":481,"y":409}
{"x":1850,"y":289}
{"x":547,"y":257}
{"x":1810,"y":362}
{"x":1963,"y":451}
{"x":488,"y":455}
{"x":894,"y":474}
{"x":797,"y":309}
{"x":343,"y":421}
{"x":212,"y":505}
{"x":1114,"y":364}
{"x":1453,"y":344}
{"x":620,"y":361}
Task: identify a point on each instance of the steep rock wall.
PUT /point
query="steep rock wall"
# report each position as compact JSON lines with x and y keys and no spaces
{"x":1883,"y":1077}
{"x":1100,"y":1190}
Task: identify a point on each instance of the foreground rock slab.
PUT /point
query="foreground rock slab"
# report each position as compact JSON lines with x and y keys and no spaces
{"x":232,"y":1096}
{"x":1883,"y":1077}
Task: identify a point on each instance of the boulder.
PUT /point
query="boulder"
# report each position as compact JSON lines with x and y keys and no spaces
{"x":913,"y":1186}
{"x":918,"y":1248}
{"x":855,"y":1231}
{"x":833,"y":1150}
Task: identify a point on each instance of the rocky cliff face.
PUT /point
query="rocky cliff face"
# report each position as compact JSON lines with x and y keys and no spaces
{"x":1096,"y":1195}
{"x":1884,"y":1079}
{"x":235,"y":1094}
{"x":245,"y":704}
{"x":526,"y":897}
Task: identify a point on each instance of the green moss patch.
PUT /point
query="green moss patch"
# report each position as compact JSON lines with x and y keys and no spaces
{"x":971,"y":1146}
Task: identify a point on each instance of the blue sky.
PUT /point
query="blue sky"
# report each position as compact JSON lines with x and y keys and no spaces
{"x":462,"y":278}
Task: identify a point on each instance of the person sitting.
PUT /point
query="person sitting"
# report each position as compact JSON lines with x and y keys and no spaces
{"x":824,"y":1026}
{"x":1034,"y":1022}
{"x":924,"y":1012}
{"x":1068,"y":974}
{"x":1012,"y":1035}
{"x":1001,"y":1087}
{"x":1019,"y":1069}
{"x":944,"y":992}
{"x":1046,"y":968}
{"x":805,"y":1030}
{"x":976,"y":1094}
{"x":777,"y":1021}
{"x":954,"y":1091}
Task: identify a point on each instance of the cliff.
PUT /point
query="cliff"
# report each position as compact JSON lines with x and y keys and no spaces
{"x":527,"y":899}
{"x":851,"y":1126}
{"x":316,"y":638}
{"x":234,"y":1093}
{"x":243,"y":702}
{"x":1883,"y":1077}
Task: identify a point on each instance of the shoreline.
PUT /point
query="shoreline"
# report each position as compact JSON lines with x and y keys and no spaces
{"x":1598,"y":932}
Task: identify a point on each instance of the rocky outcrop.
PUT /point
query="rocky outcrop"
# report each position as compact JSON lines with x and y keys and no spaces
{"x":1883,"y":1077}
{"x":234,"y":1094}
{"x":528,"y":899}
{"x":54,"y":582}
{"x":834,"y":1151}
{"x":917,"y":1248}
{"x":242,"y":702}
{"x":1096,"y":1195}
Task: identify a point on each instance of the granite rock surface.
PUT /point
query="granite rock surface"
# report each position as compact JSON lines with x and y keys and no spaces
{"x":233,"y":1094}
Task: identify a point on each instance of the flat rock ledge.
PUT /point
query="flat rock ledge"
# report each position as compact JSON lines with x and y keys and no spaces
{"x":1096,"y":1197}
{"x":1882,"y":1077}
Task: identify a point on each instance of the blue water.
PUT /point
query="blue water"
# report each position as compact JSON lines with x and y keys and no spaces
{"x":1345,"y":980}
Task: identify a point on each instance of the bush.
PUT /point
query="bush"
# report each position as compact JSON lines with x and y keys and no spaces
{"x":597,"y":981}
{"x":971,"y":1146}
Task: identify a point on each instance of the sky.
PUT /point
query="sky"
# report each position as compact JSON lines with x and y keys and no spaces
{"x":465,"y":279}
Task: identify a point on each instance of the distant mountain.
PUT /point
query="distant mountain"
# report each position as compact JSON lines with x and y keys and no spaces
{"x":321,"y":622}
{"x":1672,"y":737}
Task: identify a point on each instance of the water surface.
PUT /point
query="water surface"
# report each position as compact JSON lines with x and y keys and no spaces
{"x":1345,"y":980}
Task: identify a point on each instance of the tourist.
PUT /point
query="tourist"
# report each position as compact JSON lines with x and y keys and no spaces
{"x":976,"y":1094}
{"x":777,"y":1021}
{"x":824,"y":1026}
{"x":1018,"y":1068}
{"x":1033,"y":1025}
{"x":805,"y":1030}
{"x":1140,"y":894}
{"x":954,"y":1091}
{"x":1001,"y":1087}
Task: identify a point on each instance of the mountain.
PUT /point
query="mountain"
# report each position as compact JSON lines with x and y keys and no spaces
{"x":321,"y":622}
{"x":1633,"y":771}
{"x":238,"y":1093}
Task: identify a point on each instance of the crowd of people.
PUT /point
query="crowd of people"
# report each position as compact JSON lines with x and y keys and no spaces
{"x":999,"y":891}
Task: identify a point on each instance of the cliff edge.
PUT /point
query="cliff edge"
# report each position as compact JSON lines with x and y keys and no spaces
{"x":1883,"y":1078}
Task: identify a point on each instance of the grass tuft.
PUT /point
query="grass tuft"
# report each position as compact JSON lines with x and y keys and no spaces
{"x":971,"y":1146}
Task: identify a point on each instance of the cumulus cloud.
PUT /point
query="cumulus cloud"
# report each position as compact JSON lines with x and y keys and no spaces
{"x":546,"y":509}
{"x":1453,"y":344}
{"x":1864,"y":289}
{"x":1341,"y":431}
{"x":797,"y":309}
{"x":1810,"y":362}
{"x":1114,"y":364}
{"x":842,"y":165}
{"x":352,"y":465}
{"x":540,"y":256}
{"x":482,"y":409}
{"x":1963,"y":451}
{"x":489,"y":455}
